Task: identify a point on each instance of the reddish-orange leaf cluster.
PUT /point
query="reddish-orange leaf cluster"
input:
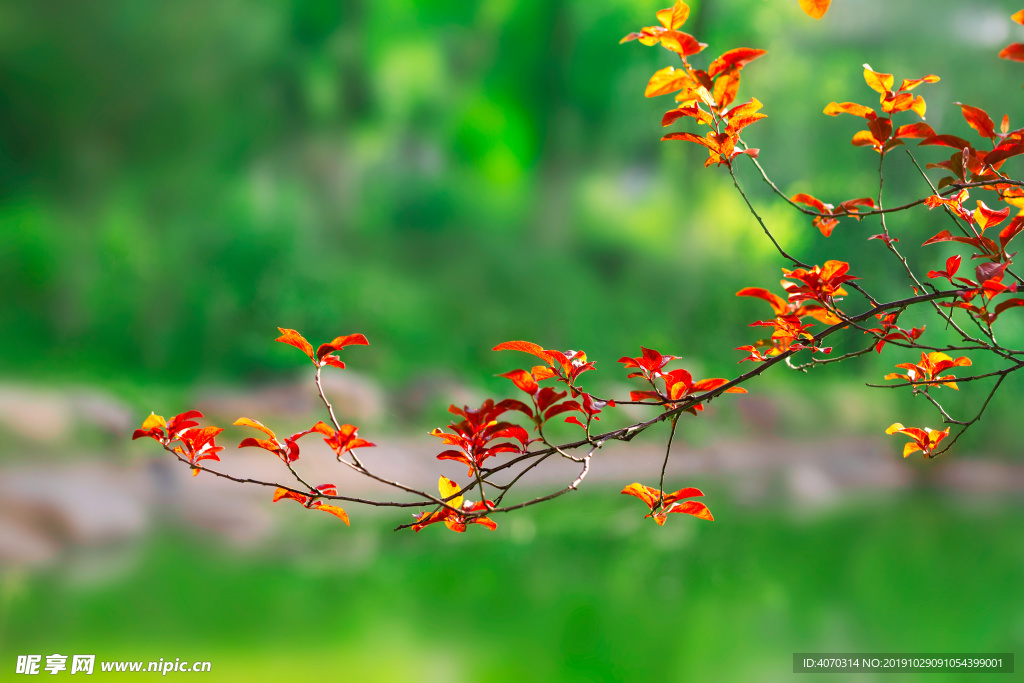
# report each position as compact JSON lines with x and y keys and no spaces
{"x":704,"y":95}
{"x":880,"y":135}
{"x":789,"y":329}
{"x":340,"y":441}
{"x":324,"y":353}
{"x":676,"y":385}
{"x":820,"y":283}
{"x":667,"y":33}
{"x":890,"y":331}
{"x":459,"y":514}
{"x":988,"y":285}
{"x":287,"y":451}
{"x":313,"y":502}
{"x":828,"y":222}
{"x":478,"y":428}
{"x":564,"y":367}
{"x":983,"y":217}
{"x":783,"y":307}
{"x":197,"y":444}
{"x":929,"y":368}
{"x":663,"y":504}
{"x":968,"y":164}
{"x":925,"y":440}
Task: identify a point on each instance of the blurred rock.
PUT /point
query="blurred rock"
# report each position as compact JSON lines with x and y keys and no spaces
{"x":355,"y":397}
{"x":759,"y":413}
{"x":980,"y":476}
{"x":428,"y":391}
{"x":20,"y":544}
{"x":288,"y":400}
{"x":35,"y":414}
{"x":102,"y":411}
{"x":810,"y":484}
{"x":83,"y":504}
{"x":50,"y":415}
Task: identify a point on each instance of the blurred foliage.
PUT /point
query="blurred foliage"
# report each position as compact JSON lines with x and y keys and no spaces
{"x":553,"y":595}
{"x":179,"y":178}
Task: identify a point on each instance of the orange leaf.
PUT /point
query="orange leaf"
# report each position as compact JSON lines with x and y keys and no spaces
{"x":815,"y":8}
{"x":813,"y":202}
{"x":259,"y":443}
{"x":280,"y":493}
{"x":878,"y":82}
{"x":297,"y":340}
{"x":986,"y":217}
{"x":681,"y":43}
{"x":248,"y":422}
{"x":522,"y":379}
{"x":675,"y":16}
{"x":693,"y":507}
{"x":836,"y":108}
{"x":726,"y":86}
{"x":152,"y":421}
{"x":334,"y":510}
{"x":644,"y":493}
{"x":668,"y":80}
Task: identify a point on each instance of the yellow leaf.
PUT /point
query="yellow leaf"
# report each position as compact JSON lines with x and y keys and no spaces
{"x":447,"y":487}
{"x":815,"y":8}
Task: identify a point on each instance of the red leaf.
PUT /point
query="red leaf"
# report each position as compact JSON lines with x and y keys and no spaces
{"x":1004,"y":151}
{"x":944,"y":236}
{"x":688,"y":492}
{"x":681,"y":43}
{"x":522,"y":379}
{"x":953,"y":141}
{"x":339,"y":343}
{"x":738,"y":57}
{"x":915,"y":130}
{"x":260,"y":443}
{"x":1009,"y":303}
{"x":1014,"y":52}
{"x":1011,"y":230}
{"x":778,"y":304}
{"x":525,"y":346}
{"x":978,"y":120}
{"x":812,"y":202}
{"x":695,"y":508}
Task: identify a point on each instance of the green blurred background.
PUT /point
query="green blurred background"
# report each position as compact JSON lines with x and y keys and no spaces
{"x":179,"y":178}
